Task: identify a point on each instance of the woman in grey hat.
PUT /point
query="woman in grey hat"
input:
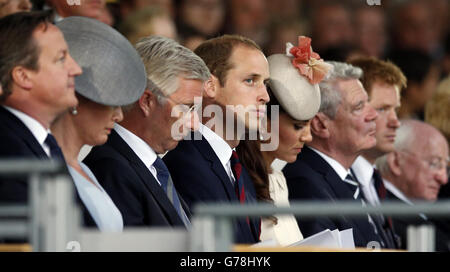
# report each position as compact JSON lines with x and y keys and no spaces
{"x":113,"y":76}
{"x":293,"y":89}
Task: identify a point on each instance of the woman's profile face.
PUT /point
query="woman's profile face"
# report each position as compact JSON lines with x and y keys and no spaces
{"x":94,"y":121}
{"x":293,"y":134}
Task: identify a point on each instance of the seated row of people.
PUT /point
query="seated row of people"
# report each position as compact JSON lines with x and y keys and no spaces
{"x":223,"y":114}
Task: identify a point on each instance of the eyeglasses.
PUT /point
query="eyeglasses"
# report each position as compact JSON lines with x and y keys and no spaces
{"x":435,"y":163}
{"x":183,"y":108}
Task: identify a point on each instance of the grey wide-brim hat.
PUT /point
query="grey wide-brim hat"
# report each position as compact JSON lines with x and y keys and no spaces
{"x":299,"y":98}
{"x":113,"y":72}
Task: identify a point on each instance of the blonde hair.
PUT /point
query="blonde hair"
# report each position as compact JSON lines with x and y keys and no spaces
{"x":437,"y":110}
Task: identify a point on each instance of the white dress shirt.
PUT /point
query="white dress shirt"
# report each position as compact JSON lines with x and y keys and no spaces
{"x":145,"y":153}
{"x":97,"y":201}
{"x":342,"y":173}
{"x":221,"y":148}
{"x":39,"y":132}
{"x":400,"y":195}
{"x":364,"y":174}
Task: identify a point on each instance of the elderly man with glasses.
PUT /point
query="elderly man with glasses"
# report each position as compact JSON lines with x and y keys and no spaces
{"x":415,"y":171}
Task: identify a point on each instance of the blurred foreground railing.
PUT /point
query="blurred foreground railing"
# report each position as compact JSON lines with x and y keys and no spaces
{"x":215,"y":220}
{"x":51,"y":220}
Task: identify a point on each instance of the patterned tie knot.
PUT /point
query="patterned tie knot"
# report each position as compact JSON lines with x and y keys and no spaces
{"x":236,"y":165}
{"x":349,"y":179}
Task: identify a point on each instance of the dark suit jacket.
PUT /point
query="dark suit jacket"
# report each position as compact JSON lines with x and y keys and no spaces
{"x":310,"y":177}
{"x":200,"y":177}
{"x":401,"y":225}
{"x":131,"y":185}
{"x":17,"y":141}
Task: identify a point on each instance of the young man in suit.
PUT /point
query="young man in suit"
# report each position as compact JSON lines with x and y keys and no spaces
{"x":38,"y":81}
{"x":383,"y":82}
{"x":204,"y":167}
{"x":342,"y":129}
{"x":128,"y":166}
{"x":415,"y":171}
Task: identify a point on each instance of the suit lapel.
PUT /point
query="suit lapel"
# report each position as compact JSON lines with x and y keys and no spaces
{"x":216,"y":166}
{"x":21,"y":131}
{"x":146,"y":177}
{"x":340,"y":189}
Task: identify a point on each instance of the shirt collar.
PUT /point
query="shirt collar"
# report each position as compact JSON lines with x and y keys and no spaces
{"x":141,"y":148}
{"x":394,"y":190}
{"x":363,"y":171}
{"x":38,"y":130}
{"x":220,"y":147}
{"x":337,"y":167}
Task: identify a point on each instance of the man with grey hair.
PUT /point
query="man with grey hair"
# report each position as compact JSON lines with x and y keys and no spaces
{"x":415,"y":171}
{"x":342,"y":129}
{"x":128,"y":164}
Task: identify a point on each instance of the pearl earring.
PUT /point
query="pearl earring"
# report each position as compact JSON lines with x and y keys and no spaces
{"x":74,"y":111}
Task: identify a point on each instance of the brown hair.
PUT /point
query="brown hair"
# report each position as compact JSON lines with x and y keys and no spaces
{"x":250,"y":155}
{"x":216,"y":53}
{"x":377,"y":70}
{"x":17,"y":45}
{"x":249,"y":152}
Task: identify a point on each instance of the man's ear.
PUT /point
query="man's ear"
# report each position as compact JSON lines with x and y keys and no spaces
{"x":147,"y":102}
{"x":393,"y":160}
{"x":211,"y":87}
{"x":320,"y":125}
{"x":21,"y":77}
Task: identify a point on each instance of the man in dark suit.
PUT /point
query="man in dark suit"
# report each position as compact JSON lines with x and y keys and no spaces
{"x":342,"y":129}
{"x":383,"y":82}
{"x":206,"y":168}
{"x":415,"y":171}
{"x":38,"y":81}
{"x":128,"y":166}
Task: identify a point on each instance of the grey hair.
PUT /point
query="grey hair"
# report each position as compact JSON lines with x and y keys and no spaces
{"x":329,"y":93}
{"x":165,"y":60}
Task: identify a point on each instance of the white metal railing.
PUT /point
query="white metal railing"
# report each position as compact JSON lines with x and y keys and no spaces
{"x":51,"y":218}
{"x":217,"y":218}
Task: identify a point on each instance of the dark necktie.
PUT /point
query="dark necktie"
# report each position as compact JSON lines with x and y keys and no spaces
{"x":164,"y":178}
{"x":379,"y":184}
{"x":353,"y":185}
{"x":239,"y":188}
{"x":55,"y":151}
{"x":351,"y":181}
{"x":387,"y":220}
{"x":236,"y":167}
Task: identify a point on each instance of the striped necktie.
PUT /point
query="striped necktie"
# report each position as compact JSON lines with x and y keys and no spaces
{"x":353,"y":185}
{"x":387,"y":220}
{"x":236,"y":167}
{"x":165,"y":179}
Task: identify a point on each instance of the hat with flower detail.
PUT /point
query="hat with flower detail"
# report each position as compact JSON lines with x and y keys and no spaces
{"x":294,"y":79}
